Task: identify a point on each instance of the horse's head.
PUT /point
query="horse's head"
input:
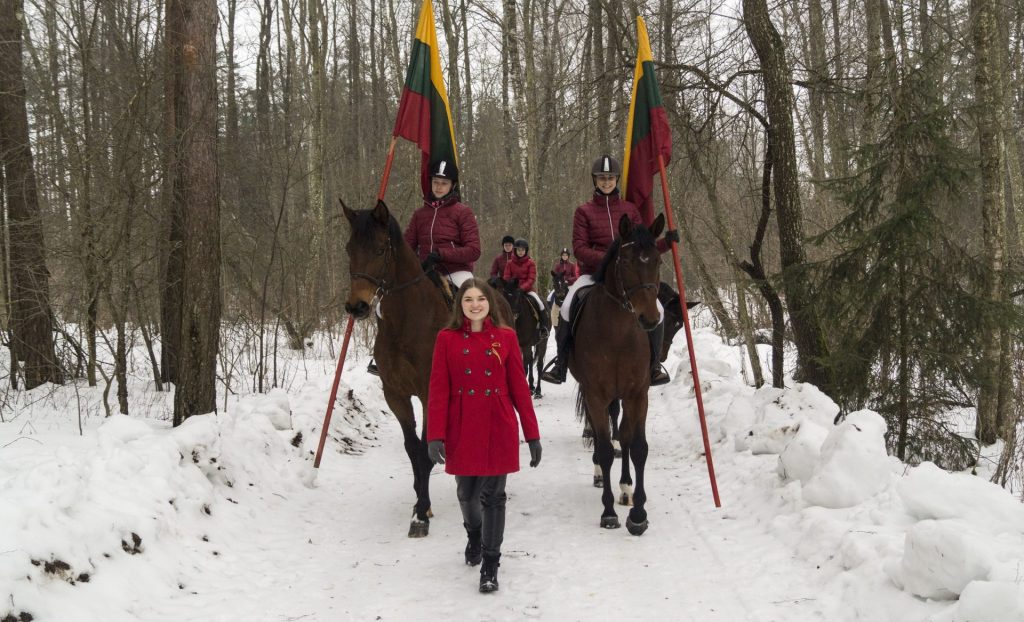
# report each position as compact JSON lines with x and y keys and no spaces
{"x":560,"y":287}
{"x":372,"y":254}
{"x":509,"y":289}
{"x":630,"y":270}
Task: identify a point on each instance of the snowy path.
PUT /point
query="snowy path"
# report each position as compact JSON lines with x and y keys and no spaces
{"x":339,"y":551}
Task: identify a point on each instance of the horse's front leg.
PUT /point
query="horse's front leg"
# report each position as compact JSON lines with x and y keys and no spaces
{"x":626,"y":480}
{"x":603,"y":457}
{"x":416,"y":450}
{"x":539,"y":365}
{"x":635,"y":445}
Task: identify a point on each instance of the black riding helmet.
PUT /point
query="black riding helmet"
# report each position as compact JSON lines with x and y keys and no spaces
{"x":445,"y":170}
{"x":508,"y":240}
{"x":565,"y":251}
{"x":606,"y":165}
{"x":523,"y":244}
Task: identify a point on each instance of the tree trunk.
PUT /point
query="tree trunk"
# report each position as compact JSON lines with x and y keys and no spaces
{"x":196,"y":392}
{"x":811,"y":347}
{"x":30,"y":291}
{"x":989,"y":98}
{"x":172,"y":246}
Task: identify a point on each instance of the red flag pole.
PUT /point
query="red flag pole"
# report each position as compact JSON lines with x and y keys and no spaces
{"x":689,"y":335}
{"x":351,"y":321}
{"x":334,"y":392}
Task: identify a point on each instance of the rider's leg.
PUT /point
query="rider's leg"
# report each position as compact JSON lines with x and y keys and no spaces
{"x":658,"y":374}
{"x":542,"y":316}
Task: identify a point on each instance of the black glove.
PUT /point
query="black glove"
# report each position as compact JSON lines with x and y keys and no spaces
{"x":432,"y":260}
{"x":435,"y":449}
{"x":672,"y":235}
{"x":534,"y":451}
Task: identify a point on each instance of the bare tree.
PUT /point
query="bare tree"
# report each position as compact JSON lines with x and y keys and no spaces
{"x":32,"y":330}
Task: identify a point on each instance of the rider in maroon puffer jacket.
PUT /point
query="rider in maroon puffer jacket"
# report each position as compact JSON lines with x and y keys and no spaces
{"x":524,"y":269}
{"x":443,"y":231}
{"x":594,"y":228}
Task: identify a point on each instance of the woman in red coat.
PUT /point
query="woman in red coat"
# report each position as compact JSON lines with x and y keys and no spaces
{"x":477,"y":384}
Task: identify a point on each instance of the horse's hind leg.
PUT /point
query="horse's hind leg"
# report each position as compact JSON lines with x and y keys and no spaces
{"x":539,"y":365}
{"x":613,"y":414}
{"x":626,"y":480}
{"x":416,"y":450}
{"x":604,"y":457}
{"x":635,"y":444}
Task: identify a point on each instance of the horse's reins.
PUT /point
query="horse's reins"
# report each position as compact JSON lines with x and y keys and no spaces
{"x":626,"y":293}
{"x":383,"y":289}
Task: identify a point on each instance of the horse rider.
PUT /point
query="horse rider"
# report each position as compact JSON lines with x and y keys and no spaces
{"x":523,"y":268}
{"x":443,"y":231}
{"x":594,"y":229}
{"x":569,"y":271}
{"x":502,"y":258}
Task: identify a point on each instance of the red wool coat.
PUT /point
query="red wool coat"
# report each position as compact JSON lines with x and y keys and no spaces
{"x":524,"y":269}
{"x":498,"y":265}
{"x":569,"y":270}
{"x":595,"y":225}
{"x":475,"y":382}
{"x":449,"y":227}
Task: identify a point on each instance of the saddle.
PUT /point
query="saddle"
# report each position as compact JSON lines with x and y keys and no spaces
{"x":576,"y":308}
{"x":443,"y":285}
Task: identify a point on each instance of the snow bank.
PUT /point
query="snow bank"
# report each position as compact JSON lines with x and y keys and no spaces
{"x":853,"y":465}
{"x":134,"y":487}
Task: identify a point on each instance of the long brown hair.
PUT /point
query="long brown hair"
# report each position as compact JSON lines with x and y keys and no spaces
{"x":493,"y":311}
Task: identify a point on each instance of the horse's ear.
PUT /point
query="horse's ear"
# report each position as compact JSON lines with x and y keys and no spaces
{"x":381,"y":213}
{"x":625,"y":227}
{"x":514,"y":283}
{"x":554,"y":274}
{"x":657,"y":226}
{"x":349,"y":214}
{"x":493,"y":281}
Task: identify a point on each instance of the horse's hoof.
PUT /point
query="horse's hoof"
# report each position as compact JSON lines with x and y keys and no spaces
{"x":598,"y":481}
{"x":537,"y":395}
{"x":625,"y":499}
{"x":419,"y":528}
{"x":610,"y":522}
{"x":637,"y":529}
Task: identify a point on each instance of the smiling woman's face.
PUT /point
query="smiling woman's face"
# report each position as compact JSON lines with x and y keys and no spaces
{"x":475,"y":305}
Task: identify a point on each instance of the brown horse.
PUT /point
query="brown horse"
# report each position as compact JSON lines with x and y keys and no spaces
{"x":384,"y":269}
{"x":611,"y":359}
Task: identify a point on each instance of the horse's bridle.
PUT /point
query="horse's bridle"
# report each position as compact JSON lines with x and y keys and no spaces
{"x":623,"y":299}
{"x":383,"y":288}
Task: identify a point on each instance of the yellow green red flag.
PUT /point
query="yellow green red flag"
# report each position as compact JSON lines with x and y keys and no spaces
{"x":423,"y":114}
{"x":647,"y":131}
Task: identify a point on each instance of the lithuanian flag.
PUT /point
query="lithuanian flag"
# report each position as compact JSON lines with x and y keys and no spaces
{"x":647,"y":131}
{"x":423,"y":114}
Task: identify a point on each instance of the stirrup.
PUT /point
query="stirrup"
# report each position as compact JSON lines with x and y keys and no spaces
{"x":555,"y":374}
{"x":659,"y":376}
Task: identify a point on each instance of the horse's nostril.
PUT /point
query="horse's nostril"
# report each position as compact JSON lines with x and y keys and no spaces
{"x":358,"y":310}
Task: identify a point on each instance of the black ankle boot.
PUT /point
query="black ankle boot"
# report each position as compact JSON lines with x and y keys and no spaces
{"x":474,"y":550}
{"x":489,"y":575}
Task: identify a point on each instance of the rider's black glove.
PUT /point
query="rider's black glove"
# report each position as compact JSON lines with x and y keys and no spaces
{"x":672,"y":235}
{"x":432,"y":260}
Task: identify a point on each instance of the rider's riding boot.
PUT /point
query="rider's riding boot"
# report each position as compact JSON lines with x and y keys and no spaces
{"x":372,"y":368}
{"x":545,"y":320}
{"x":658,"y":374}
{"x":556,"y":375}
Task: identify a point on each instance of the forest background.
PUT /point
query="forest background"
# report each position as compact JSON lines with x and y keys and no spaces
{"x":846,"y":176}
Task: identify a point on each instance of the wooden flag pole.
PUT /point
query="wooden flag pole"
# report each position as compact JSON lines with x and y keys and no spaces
{"x":689,"y":335}
{"x":351,"y":322}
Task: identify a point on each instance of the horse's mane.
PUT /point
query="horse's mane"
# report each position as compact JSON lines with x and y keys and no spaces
{"x":365,"y":223}
{"x":640,"y":235}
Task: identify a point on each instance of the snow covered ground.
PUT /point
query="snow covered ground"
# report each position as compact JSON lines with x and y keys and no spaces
{"x":224,"y":518}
